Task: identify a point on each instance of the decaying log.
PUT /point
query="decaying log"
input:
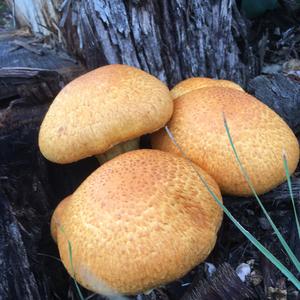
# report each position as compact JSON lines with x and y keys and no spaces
{"x":29,"y":69}
{"x":282,"y":94}
{"x":37,"y":84}
{"x":30,"y":189}
{"x":172,"y":40}
{"x":16,"y":279}
{"x":224,"y":284}
{"x":19,"y":240}
{"x":39,"y":15}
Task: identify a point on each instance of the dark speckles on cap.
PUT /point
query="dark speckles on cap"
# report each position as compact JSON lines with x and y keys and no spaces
{"x":258,"y":133}
{"x":145,"y":222}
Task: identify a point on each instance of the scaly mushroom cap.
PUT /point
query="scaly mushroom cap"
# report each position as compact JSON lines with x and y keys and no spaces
{"x":140,"y":220}
{"x":102,"y":108}
{"x":259,"y":135}
{"x":56,"y":217}
{"x":196,"y":83}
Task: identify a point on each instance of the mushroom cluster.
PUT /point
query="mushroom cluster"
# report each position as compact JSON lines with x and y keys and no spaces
{"x":144,"y":218}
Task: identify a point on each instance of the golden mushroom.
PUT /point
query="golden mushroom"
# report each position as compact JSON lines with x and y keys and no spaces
{"x":105,"y":109}
{"x":56,"y":217}
{"x":141,"y":220}
{"x":196,"y":83}
{"x":259,"y":134}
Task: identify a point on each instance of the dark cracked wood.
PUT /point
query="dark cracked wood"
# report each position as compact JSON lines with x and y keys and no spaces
{"x":172,"y":40}
{"x":30,"y":189}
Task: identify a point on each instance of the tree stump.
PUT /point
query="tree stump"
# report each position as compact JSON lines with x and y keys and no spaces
{"x":172,"y":40}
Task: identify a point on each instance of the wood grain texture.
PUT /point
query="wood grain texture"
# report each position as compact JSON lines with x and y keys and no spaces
{"x":223,"y":284}
{"x":31,"y":187}
{"x":172,"y":40}
{"x":282,"y":94}
{"x":30,"y":70}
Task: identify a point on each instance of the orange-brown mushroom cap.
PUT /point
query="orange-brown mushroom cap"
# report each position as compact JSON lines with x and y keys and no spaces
{"x":101,"y":109}
{"x":196,"y":83}
{"x":140,"y":220}
{"x":56,"y":217}
{"x":259,"y":135}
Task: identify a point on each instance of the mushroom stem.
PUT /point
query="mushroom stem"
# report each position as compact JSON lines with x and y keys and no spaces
{"x":118,"y":149}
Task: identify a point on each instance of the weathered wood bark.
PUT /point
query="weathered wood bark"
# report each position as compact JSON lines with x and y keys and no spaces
{"x":282,"y":94}
{"x":172,"y":40}
{"x":224,"y":284}
{"x":30,"y":187}
{"x":30,"y":70}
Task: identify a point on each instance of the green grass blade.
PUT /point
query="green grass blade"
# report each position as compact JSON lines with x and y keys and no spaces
{"x":245,"y":174}
{"x":91,"y":296}
{"x":73,"y":271}
{"x":71,"y":263}
{"x":248,"y":235}
{"x":288,"y":177}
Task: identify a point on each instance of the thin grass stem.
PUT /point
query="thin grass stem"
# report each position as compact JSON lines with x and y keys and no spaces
{"x":288,"y":177}
{"x":71,"y":263}
{"x":286,"y":247}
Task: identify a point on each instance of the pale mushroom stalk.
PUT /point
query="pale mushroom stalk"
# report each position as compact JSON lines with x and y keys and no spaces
{"x":118,"y":149}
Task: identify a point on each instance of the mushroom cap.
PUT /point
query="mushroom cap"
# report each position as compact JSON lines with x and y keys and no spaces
{"x":140,"y":220}
{"x":258,"y":133}
{"x":196,"y":83}
{"x":102,"y":108}
{"x":56,"y":217}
